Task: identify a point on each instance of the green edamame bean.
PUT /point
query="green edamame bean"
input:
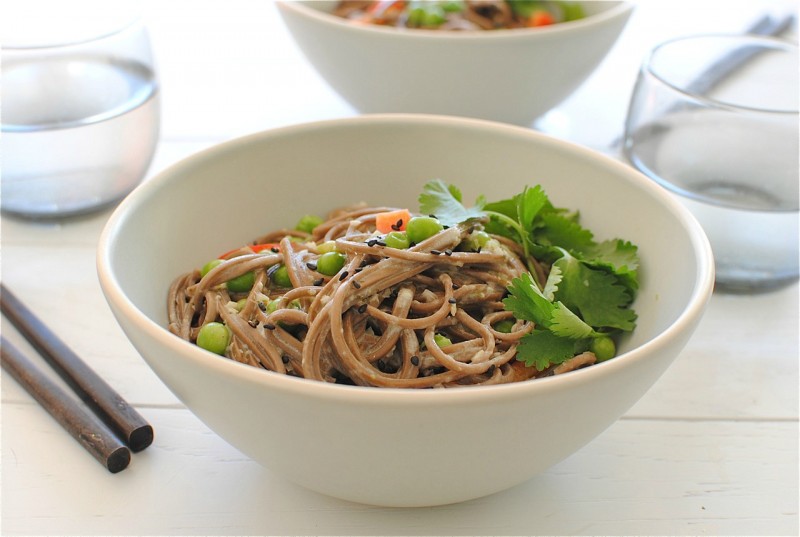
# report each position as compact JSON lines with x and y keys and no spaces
{"x":397,"y":239}
{"x":415,"y":17}
{"x":476,"y":241}
{"x":504,"y":326}
{"x":214,"y":337}
{"x":453,"y":6}
{"x":603,"y":348}
{"x":434,"y":16}
{"x":442,"y":341}
{"x":242,"y":283}
{"x":327,"y":246}
{"x":330,"y":263}
{"x":209,"y":266}
{"x":308,"y":223}
{"x":280,"y":277}
{"x":420,"y":228}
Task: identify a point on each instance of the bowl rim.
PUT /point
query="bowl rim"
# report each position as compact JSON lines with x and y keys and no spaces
{"x":622,"y":9}
{"x":685,"y":321}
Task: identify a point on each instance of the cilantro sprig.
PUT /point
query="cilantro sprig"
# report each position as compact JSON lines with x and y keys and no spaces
{"x":444,"y":201}
{"x":590,"y":287}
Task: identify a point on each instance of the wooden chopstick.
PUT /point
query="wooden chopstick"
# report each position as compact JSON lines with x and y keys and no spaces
{"x":109,"y":406}
{"x":84,"y":426}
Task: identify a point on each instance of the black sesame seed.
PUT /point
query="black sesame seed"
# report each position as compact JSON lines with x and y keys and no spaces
{"x":319,"y":282}
{"x":355,"y":284}
{"x":253,"y":322}
{"x":445,"y":227}
{"x":452,"y":300}
{"x":433,"y":216}
{"x":269,"y":326}
{"x":343,"y":275}
{"x":311,"y":265}
{"x":455,"y":286}
{"x":364,"y":263}
{"x":262,"y":306}
{"x":415,"y":360}
{"x":435,"y":252}
{"x":380,"y":243}
{"x":448,"y":252}
{"x":285,"y":359}
{"x":372,"y":242}
{"x":274,"y":250}
{"x":362,"y":308}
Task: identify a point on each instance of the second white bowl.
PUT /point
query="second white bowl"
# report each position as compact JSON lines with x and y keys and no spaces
{"x":513,"y":76}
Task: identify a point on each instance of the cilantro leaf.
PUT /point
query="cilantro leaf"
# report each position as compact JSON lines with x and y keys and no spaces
{"x":618,"y":256}
{"x":496,"y":226}
{"x":527,"y":302}
{"x":542,"y":348}
{"x":444,"y":201}
{"x":507,"y":207}
{"x":529,"y":204}
{"x":594,"y":294}
{"x":520,"y":214}
{"x":551,"y":285}
{"x":562,"y":230}
{"x":565,"y":323}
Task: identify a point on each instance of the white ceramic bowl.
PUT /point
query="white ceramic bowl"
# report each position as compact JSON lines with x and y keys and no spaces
{"x":512,"y":76}
{"x":379,"y":445}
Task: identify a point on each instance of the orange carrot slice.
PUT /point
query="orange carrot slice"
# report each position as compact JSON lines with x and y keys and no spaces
{"x":540,"y":18}
{"x":392,"y":220}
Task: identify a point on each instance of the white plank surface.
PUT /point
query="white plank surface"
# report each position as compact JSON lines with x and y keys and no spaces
{"x":711,"y":449}
{"x":673,"y":477}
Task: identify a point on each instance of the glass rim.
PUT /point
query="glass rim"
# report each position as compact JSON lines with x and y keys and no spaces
{"x":768,"y":42}
{"x":122,"y":25}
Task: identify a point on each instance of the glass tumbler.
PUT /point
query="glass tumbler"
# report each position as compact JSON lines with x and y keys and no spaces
{"x":80,"y":106}
{"x":714,"y":119}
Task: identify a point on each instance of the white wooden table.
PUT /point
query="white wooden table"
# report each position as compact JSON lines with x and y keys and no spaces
{"x":711,"y":449}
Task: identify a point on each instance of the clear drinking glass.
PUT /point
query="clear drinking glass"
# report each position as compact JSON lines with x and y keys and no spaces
{"x":80,"y":106}
{"x":714,"y":119}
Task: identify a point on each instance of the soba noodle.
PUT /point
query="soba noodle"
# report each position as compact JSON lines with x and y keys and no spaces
{"x":421,"y":317}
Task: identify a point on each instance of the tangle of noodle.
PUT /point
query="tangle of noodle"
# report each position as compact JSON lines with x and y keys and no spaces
{"x":469,"y":15}
{"x":374,"y":323}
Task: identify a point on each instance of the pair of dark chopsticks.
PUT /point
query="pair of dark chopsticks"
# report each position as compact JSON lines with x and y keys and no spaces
{"x":112,"y":431}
